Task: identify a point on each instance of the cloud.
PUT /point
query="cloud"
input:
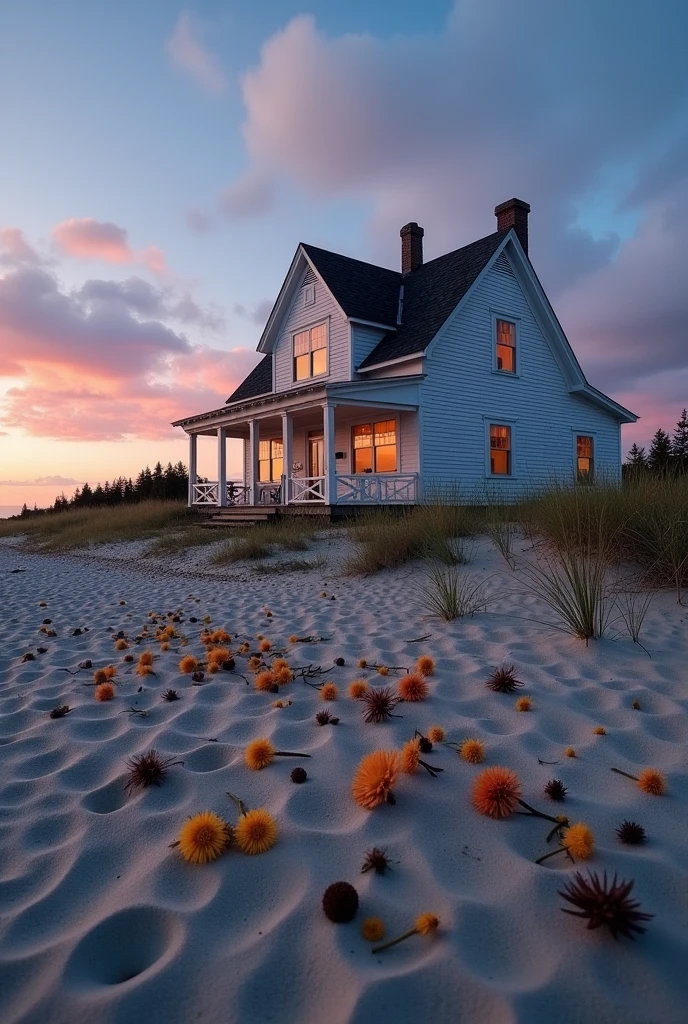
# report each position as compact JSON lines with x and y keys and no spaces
{"x":189,"y":54}
{"x":145,"y":299}
{"x":250,"y":196}
{"x":15,"y":251}
{"x":40,"y":481}
{"x":89,"y":239}
{"x":258,"y":315}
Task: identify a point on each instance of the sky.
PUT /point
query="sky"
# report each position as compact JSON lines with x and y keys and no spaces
{"x":159,"y":164}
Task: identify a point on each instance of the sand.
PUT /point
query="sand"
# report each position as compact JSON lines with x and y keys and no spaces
{"x":101,"y":921}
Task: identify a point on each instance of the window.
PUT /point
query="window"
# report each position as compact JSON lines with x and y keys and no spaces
{"x":270,"y":460}
{"x":585,"y":458}
{"x":374,"y":447}
{"x":505,"y":346}
{"x":310,"y":352}
{"x":309,"y":295}
{"x":500,"y":450}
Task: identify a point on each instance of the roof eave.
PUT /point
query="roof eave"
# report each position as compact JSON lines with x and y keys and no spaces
{"x":621,"y":413}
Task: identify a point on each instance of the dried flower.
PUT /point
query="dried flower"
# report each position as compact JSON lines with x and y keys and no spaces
{"x":323,"y":717}
{"x":378,"y":704}
{"x":255,"y":832}
{"x":170,"y":695}
{"x":376,"y":860}
{"x":264,"y":646}
{"x":218,"y":655}
{"x":410,"y":756}
{"x":472,"y":750}
{"x":340,"y":902}
{"x":328,"y":691}
{"x":188,"y":664}
{"x":357,"y":688}
{"x":60,"y":711}
{"x":555,"y":790}
{"x":293,"y":638}
{"x":579,"y":841}
{"x":148,"y":770}
{"x":496,"y":791}
{"x":605,"y":903}
{"x":260,"y":753}
{"x":570,"y":752}
{"x":503,"y":680}
{"x":651,"y":781}
{"x":254,"y":663}
{"x":362,"y":663}
{"x":121,"y":645}
{"x":104,"y":691}
{"x":281,"y":703}
{"x":284,"y":675}
{"x":412,"y":687}
{"x":375,"y":775}
{"x":165,"y":646}
{"x":425,"y":665}
{"x":382,"y":670}
{"x":298,"y":775}
{"x":423,"y":925}
{"x":631,"y":833}
{"x":279,"y":663}
{"x":636,"y":705}
{"x":524,"y":704}
{"x":100,"y":676}
{"x":599,"y":730}
{"x":263,"y":680}
{"x":436,"y":734}
{"x":203,"y":838}
{"x":372,"y":929}
{"x":110,"y":671}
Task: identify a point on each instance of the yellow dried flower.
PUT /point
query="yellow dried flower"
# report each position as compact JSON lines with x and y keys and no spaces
{"x":382,"y":670}
{"x":579,"y":841}
{"x":436,"y":734}
{"x":328,"y":691}
{"x":203,"y":838}
{"x":357,"y":688}
{"x":472,"y":750}
{"x":651,"y":781}
{"x":524,"y":704}
{"x":372,"y":929}
{"x":362,"y":663}
{"x":426,"y":923}
{"x":570,"y":752}
{"x":256,"y":832}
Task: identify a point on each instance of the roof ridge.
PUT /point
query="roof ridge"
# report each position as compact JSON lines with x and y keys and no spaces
{"x":354,"y":259}
{"x":453,"y":252}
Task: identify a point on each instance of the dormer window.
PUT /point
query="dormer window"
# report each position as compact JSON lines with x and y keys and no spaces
{"x":310,"y":352}
{"x":505,"y":346}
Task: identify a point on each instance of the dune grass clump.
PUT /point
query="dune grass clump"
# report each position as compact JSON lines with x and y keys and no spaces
{"x":449,"y":594}
{"x":77,"y":528}
{"x":387,"y":539}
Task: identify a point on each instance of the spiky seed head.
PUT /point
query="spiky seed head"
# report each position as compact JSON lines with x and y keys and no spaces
{"x":631,"y":833}
{"x":413,"y":687}
{"x":146,"y":770}
{"x":376,"y":860}
{"x":652,"y":781}
{"x":503,"y":680}
{"x":378,"y":705}
{"x":605,"y":903}
{"x":170,"y":695}
{"x":328,"y":691}
{"x":323,"y":717}
{"x":555,"y":790}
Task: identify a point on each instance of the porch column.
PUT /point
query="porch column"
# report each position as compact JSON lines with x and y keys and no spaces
{"x":253,"y":453}
{"x":328,"y":433}
{"x":193,"y":463}
{"x":288,"y":454}
{"x":222,"y":466}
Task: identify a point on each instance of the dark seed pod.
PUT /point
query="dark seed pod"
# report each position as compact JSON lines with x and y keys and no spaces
{"x":602,"y":902}
{"x":29,"y":656}
{"x":60,"y":711}
{"x":334,"y":721}
{"x":424,"y":745}
{"x":555,"y":790}
{"x":322,"y":717}
{"x":376,"y":860}
{"x":170,"y":695}
{"x":193,"y":619}
{"x":298,"y":775}
{"x":631,"y":833}
{"x":503,"y":680}
{"x":339,"y":661}
{"x":86,"y":664}
{"x":636,"y":705}
{"x":340,"y":902}
{"x":274,"y":688}
{"x":197,"y":677}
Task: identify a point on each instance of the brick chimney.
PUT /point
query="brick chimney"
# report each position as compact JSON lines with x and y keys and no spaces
{"x":411,"y":247}
{"x":514,"y":214}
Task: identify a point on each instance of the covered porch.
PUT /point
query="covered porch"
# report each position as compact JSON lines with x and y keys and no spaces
{"x":335,"y":448}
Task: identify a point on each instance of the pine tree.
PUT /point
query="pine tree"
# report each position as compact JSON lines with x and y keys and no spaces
{"x":679,"y":443}
{"x":659,"y":459}
{"x":637,"y":459}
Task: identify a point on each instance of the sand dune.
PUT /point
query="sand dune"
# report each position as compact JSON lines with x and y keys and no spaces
{"x":101,"y":921}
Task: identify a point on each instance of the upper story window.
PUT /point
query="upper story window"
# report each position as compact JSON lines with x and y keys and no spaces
{"x":500,"y":450}
{"x":505,"y":346}
{"x":310,"y":352}
{"x":374,"y":447}
{"x":270,"y":460}
{"x":585,"y":457}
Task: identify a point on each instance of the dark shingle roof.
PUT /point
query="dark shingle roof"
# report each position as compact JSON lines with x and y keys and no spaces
{"x":431,"y":292}
{"x":363,"y":290}
{"x":258,"y":382}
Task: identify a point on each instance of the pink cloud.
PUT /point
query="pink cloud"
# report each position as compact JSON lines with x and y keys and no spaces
{"x":88,"y":238}
{"x":190,"y":55}
{"x":15,"y":250}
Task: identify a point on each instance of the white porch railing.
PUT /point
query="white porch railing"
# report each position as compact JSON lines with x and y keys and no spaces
{"x":238,"y":494}
{"x":377,"y":488}
{"x":205,"y":494}
{"x":306,"y":488}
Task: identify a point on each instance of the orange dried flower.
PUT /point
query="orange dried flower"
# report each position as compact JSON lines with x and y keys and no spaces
{"x":472,"y":750}
{"x":436,"y":734}
{"x":425,"y":665}
{"x":357,"y":688}
{"x":410,"y":756}
{"x":164,"y":647}
{"x":413,"y":687}
{"x":328,"y":691}
{"x":284,"y":676}
{"x":362,"y":663}
{"x":256,"y":832}
{"x":264,"y":645}
{"x":579,"y":841}
{"x":279,"y":663}
{"x":146,"y":658}
{"x":426,"y":923}
{"x":100,"y":676}
{"x":219,"y":655}
{"x":651,"y":781}
{"x":599,"y":730}
{"x":203,"y":838}
{"x":293,"y":638}
{"x":110,"y":671}
{"x":188,"y":664}
{"x":570,"y":752}
{"x":121,"y":644}
{"x":496,"y":791}
{"x":254,"y":663}
{"x":104,"y":691}
{"x":375,"y":775}
{"x":264,"y":680}
{"x":382,"y":670}
{"x":213,"y":668}
{"x":372,"y":929}
{"x":524,"y":704}
{"x":259,"y":754}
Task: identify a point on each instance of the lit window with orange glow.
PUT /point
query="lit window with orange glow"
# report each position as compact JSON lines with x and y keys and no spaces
{"x":585,"y":457}
{"x":374,"y":447}
{"x":310,"y":352}
{"x":506,"y":346}
{"x":500,"y":450}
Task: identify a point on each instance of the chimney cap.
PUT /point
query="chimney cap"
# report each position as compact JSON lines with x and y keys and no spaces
{"x":412,"y":228}
{"x":511,"y":204}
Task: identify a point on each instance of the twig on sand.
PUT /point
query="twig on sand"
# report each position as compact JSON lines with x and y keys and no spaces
{"x":418,"y":639}
{"x":135,"y":711}
{"x":540,"y":761}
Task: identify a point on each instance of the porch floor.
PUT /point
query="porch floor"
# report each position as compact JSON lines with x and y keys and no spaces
{"x":245,"y":515}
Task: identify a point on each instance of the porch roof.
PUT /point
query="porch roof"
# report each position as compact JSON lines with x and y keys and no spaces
{"x":390,"y":392}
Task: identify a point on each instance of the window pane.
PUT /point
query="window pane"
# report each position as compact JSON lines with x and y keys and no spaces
{"x":263,"y":450}
{"x":319,"y":361}
{"x":363,"y":436}
{"x":264,"y":470}
{"x":385,"y":432}
{"x":500,"y":437}
{"x":302,"y":367}
{"x":363,"y":460}
{"x":277,"y":469}
{"x":584,"y":446}
{"x":499,"y":462}
{"x":506,"y":358}
{"x":506,"y":333}
{"x":318,"y":336}
{"x":277,"y":449}
{"x":386,"y":458}
{"x":301,"y":343}
{"x":584,"y":467}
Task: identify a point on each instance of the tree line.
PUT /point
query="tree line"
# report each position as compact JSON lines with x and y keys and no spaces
{"x":667,"y":455}
{"x":157,"y":484}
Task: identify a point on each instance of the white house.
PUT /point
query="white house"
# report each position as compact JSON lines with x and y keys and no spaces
{"x":380,"y":386}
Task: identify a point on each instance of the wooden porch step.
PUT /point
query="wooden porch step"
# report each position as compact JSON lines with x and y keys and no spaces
{"x":241,"y":516}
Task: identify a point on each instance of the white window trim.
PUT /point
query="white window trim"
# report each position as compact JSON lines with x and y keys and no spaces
{"x":577,"y":432}
{"x":516,"y":321}
{"x":300,"y":330}
{"x":373,"y":419}
{"x":501,"y":421}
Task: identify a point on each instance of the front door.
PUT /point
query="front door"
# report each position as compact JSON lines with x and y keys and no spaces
{"x":316,"y":463}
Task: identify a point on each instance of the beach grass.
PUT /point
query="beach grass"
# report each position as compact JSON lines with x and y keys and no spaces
{"x":78,"y":528}
{"x":386,"y":539}
{"x":259,"y":541}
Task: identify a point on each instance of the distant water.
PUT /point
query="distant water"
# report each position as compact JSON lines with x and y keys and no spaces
{"x":9,"y":510}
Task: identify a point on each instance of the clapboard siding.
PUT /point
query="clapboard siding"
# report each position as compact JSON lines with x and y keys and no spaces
{"x":301,"y":316}
{"x":461,"y":393}
{"x":364,"y":340}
